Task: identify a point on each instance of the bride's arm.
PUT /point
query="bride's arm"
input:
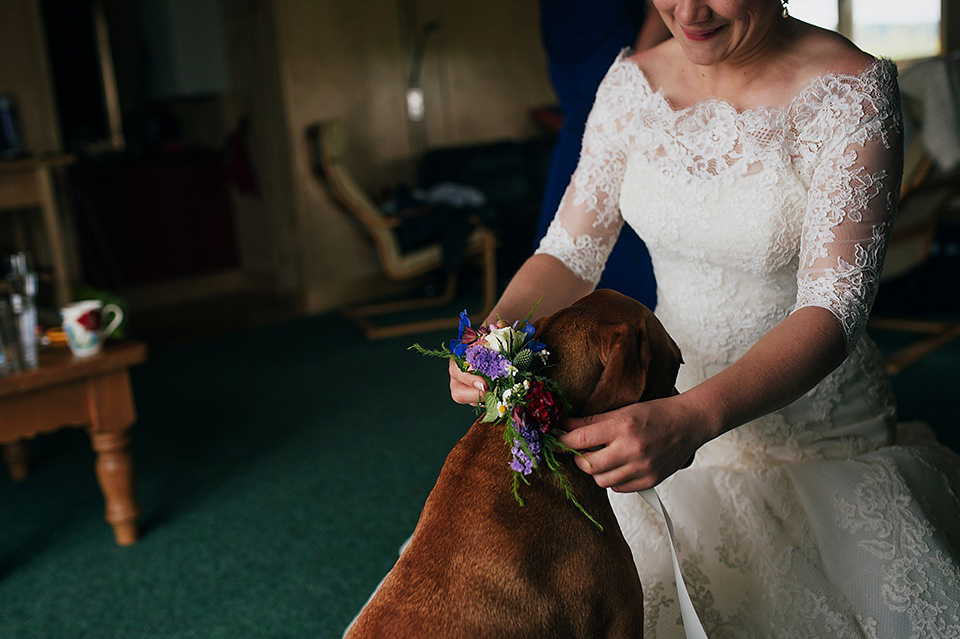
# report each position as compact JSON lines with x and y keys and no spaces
{"x":783,"y":365}
{"x":542,"y":277}
{"x":571,"y":257}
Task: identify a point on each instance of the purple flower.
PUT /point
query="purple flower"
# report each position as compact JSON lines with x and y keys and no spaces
{"x":526,"y":452}
{"x":520,"y":462}
{"x":532,"y":437}
{"x":487,"y":362}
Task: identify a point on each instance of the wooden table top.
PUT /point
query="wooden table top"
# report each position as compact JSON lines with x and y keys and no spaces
{"x":31,"y":163}
{"x":58,"y":366}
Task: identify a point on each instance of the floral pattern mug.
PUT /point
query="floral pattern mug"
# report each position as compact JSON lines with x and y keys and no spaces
{"x":83,"y":325}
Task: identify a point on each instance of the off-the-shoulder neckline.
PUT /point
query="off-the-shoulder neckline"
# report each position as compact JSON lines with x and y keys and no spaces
{"x":869,"y":70}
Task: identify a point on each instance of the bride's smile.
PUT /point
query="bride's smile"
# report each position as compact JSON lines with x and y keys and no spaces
{"x":701,"y":35}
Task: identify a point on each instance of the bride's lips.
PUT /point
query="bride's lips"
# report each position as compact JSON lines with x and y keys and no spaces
{"x":700,"y":35}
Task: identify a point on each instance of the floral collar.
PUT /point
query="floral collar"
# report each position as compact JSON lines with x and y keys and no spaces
{"x":527,"y":404}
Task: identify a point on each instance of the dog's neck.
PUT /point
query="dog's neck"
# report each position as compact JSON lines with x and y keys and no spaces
{"x":482,"y":457}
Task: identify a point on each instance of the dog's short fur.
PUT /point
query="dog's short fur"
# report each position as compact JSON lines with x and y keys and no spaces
{"x":479,"y":565}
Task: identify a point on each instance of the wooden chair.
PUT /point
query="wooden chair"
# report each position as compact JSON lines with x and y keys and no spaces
{"x":327,"y":144}
{"x":925,"y":195}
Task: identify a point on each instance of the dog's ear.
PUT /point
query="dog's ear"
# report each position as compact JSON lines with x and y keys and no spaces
{"x":624,"y":357}
{"x":662,"y":361}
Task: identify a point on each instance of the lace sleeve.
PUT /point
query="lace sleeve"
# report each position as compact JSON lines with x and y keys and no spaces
{"x":852,"y":197}
{"x":588,"y":222}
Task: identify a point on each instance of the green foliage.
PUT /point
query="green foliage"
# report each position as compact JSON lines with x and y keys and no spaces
{"x":430,"y":352}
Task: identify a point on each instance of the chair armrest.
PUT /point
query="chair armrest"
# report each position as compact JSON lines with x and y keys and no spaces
{"x":410,"y":212}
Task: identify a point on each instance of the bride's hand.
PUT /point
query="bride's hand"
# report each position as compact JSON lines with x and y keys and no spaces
{"x":466,"y":388}
{"x":638,"y":446}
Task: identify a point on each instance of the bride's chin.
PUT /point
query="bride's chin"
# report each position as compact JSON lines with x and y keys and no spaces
{"x":703,"y":58}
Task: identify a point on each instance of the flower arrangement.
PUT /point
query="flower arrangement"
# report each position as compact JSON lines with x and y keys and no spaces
{"x":527,"y":404}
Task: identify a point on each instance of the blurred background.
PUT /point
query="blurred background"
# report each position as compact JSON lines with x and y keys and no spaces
{"x":187,"y":178}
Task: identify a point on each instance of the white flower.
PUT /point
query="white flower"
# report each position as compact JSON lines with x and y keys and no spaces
{"x":503,"y":340}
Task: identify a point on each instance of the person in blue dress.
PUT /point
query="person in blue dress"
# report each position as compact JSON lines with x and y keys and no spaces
{"x":581,"y":40}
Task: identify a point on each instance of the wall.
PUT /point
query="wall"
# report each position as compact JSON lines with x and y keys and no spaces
{"x":292,"y":62}
{"x":186,"y":43}
{"x":950,"y":27}
{"x":349,"y":59}
{"x":24,"y":73}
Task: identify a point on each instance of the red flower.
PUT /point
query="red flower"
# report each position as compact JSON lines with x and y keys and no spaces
{"x":90,"y":321}
{"x":542,"y":408}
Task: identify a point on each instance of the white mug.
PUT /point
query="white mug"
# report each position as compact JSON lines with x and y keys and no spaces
{"x":83,"y":324}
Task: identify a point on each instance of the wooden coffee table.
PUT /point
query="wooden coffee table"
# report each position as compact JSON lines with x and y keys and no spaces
{"x":92,"y":392}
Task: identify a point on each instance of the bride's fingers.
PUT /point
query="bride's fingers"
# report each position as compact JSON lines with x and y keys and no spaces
{"x":466,"y":379}
{"x":584,"y":433}
{"x":463,"y":394}
{"x":465,"y":388}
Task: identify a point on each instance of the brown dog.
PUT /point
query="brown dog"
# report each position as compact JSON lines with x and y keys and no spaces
{"x":478,"y":564}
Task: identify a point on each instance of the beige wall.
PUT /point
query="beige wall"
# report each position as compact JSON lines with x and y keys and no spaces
{"x":24,"y":73}
{"x":296,"y":61}
{"x":483,"y":69}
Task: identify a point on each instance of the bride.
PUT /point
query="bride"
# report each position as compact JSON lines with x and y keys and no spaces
{"x":759,"y":158}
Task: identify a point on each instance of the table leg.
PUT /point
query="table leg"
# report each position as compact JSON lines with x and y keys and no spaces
{"x":115,"y":474}
{"x":17,"y":457}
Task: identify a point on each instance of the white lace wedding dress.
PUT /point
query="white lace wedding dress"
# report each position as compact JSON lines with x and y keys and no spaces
{"x":826,"y":518}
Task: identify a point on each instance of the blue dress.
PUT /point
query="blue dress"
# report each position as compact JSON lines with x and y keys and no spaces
{"x":581,"y":40}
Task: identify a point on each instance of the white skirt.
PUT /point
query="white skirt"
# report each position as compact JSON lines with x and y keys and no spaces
{"x":861,"y":546}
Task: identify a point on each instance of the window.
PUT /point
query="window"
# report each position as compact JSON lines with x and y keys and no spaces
{"x":898,"y":29}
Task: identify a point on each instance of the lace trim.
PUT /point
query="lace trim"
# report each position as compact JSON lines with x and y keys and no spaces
{"x":585,"y":255}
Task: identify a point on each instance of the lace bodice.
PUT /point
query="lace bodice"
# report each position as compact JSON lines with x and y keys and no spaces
{"x":788,"y":207}
{"x":749,"y":215}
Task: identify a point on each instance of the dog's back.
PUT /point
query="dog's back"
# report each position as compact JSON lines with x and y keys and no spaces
{"x":479,"y":565}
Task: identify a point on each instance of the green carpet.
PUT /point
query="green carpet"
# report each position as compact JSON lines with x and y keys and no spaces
{"x":278,"y":471}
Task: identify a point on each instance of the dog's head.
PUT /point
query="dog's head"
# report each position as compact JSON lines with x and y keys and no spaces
{"x":607,"y":351}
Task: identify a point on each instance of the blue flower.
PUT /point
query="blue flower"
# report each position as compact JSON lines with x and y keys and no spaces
{"x":465,"y":335}
{"x":532,"y":344}
{"x":536,"y":346}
